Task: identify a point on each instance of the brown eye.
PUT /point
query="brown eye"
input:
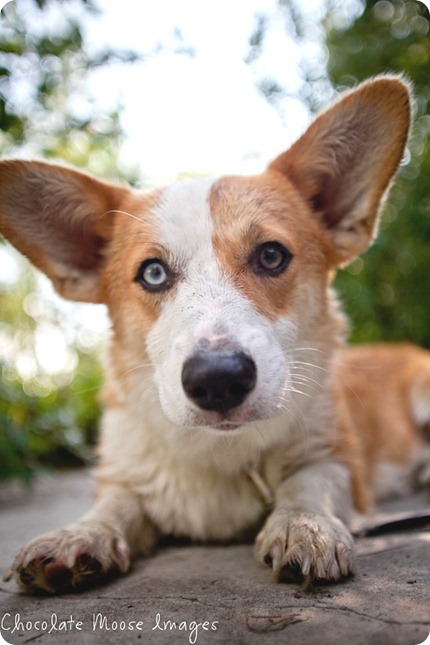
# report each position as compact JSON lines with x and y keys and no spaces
{"x":271,"y":258}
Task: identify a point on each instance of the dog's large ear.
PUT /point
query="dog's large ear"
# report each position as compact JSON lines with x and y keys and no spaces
{"x":57,"y":218}
{"x":344,"y":162}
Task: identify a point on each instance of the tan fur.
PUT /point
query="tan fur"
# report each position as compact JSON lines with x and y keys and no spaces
{"x":329,"y":165}
{"x":236,"y":204}
{"x":307,"y":433}
{"x":386,"y":391}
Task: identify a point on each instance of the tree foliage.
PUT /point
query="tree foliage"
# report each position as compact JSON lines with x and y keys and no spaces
{"x":46,"y":109}
{"x":387,"y":291}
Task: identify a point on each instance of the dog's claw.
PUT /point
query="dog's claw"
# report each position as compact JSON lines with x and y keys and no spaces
{"x":300,"y":546}
{"x":70,"y":559}
{"x":7,"y":577}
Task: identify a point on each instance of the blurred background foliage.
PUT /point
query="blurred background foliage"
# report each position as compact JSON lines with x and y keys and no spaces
{"x":387,"y":290}
{"x":48,"y":416}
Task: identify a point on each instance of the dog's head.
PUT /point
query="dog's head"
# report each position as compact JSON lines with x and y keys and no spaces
{"x":215,"y":285}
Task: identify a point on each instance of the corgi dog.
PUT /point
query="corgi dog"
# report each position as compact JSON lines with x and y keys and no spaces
{"x":223,"y":415}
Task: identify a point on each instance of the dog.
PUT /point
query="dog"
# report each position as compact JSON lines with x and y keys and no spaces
{"x":223,"y":413}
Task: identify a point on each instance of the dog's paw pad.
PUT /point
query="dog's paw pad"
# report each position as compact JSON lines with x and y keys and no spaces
{"x":42,"y":575}
{"x":56,"y":573}
{"x":70,"y":560}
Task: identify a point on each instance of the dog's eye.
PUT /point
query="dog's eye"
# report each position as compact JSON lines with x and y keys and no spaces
{"x":153,"y":275}
{"x":272,"y":258}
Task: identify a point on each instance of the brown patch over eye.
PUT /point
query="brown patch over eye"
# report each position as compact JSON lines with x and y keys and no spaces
{"x":267,"y":241}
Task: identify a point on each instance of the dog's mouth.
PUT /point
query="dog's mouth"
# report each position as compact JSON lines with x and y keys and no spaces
{"x":228,"y":422}
{"x":226,"y":425}
{"x":234,"y":421}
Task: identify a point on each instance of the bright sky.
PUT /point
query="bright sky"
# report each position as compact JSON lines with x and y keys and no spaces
{"x":200,"y":114}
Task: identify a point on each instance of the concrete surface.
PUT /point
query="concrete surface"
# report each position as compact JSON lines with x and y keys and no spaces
{"x":214,"y":595}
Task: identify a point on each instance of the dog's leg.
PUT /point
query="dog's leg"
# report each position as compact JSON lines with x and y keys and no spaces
{"x":305,"y":533}
{"x":94,"y":548}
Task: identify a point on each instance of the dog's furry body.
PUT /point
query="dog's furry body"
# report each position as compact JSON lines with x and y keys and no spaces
{"x":221,"y":400}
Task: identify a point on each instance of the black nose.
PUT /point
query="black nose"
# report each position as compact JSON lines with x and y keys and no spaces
{"x":218,"y":380}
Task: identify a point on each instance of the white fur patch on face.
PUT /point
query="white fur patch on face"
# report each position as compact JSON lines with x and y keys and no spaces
{"x":206,"y":310}
{"x":183,"y":221}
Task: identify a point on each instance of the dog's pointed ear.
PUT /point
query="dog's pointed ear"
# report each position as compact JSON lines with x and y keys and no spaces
{"x":59,"y":218}
{"x":344,"y":162}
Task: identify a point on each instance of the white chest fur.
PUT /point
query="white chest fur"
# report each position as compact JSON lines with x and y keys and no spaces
{"x":206,"y":498}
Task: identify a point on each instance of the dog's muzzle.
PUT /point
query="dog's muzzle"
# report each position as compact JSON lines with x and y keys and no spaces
{"x":218,"y":380}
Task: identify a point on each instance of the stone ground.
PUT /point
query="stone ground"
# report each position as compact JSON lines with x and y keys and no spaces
{"x":214,"y":595}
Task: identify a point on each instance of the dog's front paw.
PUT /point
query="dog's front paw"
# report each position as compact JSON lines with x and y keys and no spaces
{"x":70,"y":559}
{"x":317,"y":546}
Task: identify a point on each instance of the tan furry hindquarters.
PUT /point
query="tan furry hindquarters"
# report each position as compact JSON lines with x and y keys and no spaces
{"x":386,"y":390}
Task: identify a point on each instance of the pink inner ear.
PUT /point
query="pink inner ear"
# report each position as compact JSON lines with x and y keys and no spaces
{"x":344,"y":162}
{"x":323,"y":203}
{"x":60,"y":219}
{"x":74,"y":247}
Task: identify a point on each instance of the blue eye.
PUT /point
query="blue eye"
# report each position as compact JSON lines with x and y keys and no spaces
{"x":271,"y":258}
{"x":154,"y":275}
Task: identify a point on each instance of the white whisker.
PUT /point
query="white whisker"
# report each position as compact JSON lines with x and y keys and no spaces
{"x":309,"y":365}
{"x":306,"y":380}
{"x":137,"y":367}
{"x":138,"y":219}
